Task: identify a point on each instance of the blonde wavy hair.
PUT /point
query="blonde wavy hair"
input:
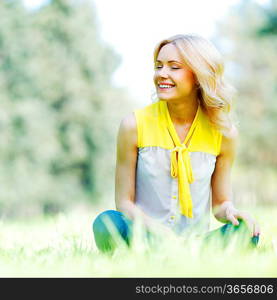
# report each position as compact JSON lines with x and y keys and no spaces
{"x":214,"y":94}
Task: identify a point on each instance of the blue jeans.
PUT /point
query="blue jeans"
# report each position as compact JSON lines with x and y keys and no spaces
{"x":106,"y":242}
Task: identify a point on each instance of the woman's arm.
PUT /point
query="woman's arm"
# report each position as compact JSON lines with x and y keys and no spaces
{"x":125,"y":176}
{"x":223,"y":207}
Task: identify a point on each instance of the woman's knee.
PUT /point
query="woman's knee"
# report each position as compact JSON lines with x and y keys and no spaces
{"x":108,"y":224}
{"x":101,"y":222}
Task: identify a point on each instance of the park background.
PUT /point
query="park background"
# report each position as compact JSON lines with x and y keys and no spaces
{"x":69,"y":72}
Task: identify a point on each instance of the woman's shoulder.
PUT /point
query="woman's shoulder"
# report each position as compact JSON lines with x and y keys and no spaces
{"x":128,"y":122}
{"x":127,"y":133}
{"x":232,"y":135}
{"x":132,"y":121}
{"x":229,"y":141}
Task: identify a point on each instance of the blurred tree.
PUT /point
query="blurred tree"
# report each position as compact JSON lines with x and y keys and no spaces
{"x":252,"y":67}
{"x":59,"y":112}
{"x":270,"y":26}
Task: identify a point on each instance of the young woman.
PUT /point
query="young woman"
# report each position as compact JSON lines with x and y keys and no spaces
{"x":174,"y":157}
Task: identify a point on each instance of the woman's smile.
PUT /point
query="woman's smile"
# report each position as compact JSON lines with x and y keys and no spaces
{"x":163,"y":86}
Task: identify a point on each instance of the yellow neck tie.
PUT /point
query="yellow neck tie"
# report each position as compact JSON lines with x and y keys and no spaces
{"x":181,"y":165}
{"x":181,"y":168}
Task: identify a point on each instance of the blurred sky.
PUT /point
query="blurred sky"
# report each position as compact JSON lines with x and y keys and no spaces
{"x":133,"y":28}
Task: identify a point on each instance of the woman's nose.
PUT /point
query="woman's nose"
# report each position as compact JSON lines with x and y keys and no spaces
{"x":163,"y":72}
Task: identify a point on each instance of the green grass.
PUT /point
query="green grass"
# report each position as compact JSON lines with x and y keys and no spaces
{"x":63,"y":246}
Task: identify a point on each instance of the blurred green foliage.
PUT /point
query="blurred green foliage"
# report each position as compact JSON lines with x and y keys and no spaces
{"x":270,"y":25}
{"x":248,"y":40}
{"x":59,"y":112}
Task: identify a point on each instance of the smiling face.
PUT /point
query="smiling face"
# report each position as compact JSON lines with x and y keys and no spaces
{"x":172,"y":78}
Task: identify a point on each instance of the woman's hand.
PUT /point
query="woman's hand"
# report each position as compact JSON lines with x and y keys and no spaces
{"x":227,"y":212}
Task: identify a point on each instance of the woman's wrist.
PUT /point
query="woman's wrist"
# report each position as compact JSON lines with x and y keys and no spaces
{"x":222,"y":210}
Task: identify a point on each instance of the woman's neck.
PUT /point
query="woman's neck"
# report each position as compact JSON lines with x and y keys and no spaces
{"x":183,"y":112}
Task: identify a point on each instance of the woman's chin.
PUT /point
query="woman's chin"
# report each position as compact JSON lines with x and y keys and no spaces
{"x":164,"y":96}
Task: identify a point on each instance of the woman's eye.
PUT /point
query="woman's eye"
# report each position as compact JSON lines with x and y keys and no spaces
{"x":173,"y":68}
